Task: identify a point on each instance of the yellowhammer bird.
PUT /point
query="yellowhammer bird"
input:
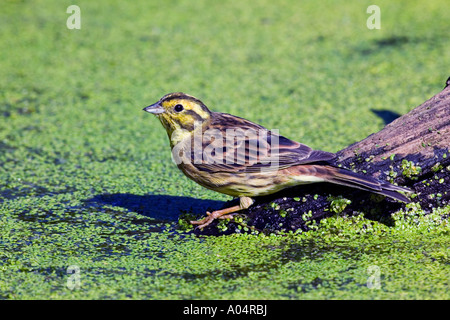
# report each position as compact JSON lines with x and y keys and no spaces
{"x":242,"y":159}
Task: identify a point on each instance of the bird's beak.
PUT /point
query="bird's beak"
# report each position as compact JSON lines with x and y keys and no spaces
{"x":155,"y":108}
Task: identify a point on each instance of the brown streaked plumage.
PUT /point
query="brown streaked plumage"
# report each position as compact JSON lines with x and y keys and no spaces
{"x":237,"y":157}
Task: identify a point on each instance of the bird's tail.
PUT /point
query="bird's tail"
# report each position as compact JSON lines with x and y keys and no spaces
{"x":355,"y":180}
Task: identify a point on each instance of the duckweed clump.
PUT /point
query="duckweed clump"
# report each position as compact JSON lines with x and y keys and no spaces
{"x":410,"y":170}
{"x":338,"y":204}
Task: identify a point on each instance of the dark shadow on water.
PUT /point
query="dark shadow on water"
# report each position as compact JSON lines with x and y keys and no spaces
{"x":161,"y":207}
{"x":387,"y":115}
{"x":397,"y":42}
{"x":394,"y":41}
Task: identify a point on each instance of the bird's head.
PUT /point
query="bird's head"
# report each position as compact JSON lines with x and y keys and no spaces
{"x":179,"y":111}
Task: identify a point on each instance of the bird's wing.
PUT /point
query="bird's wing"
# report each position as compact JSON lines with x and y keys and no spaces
{"x":233,"y":144}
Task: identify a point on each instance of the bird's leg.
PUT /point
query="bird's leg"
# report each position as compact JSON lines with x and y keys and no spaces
{"x":227,"y":213}
{"x":218,"y":214}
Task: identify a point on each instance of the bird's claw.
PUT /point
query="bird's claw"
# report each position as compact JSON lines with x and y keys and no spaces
{"x":210,"y":217}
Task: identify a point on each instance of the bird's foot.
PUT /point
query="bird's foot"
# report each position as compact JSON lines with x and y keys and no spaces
{"x":219,"y":214}
{"x":211,"y":216}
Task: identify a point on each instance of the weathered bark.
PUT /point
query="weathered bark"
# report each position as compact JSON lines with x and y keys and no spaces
{"x":420,"y":138}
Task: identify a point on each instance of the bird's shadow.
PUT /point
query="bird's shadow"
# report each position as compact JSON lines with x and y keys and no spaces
{"x":386,"y":115}
{"x":159,"y":207}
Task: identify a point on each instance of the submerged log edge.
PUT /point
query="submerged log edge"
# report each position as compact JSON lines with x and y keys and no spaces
{"x":411,"y":151}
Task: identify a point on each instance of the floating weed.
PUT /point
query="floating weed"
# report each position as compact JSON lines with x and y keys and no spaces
{"x":338,"y":204}
{"x":410,"y":170}
{"x":275,"y":206}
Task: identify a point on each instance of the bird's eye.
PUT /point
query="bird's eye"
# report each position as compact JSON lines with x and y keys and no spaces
{"x":178,"y":108}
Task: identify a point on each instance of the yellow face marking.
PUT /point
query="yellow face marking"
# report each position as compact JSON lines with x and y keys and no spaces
{"x":187,"y":105}
{"x":180,"y":122}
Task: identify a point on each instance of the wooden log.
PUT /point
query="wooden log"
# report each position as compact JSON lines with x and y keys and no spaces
{"x":412,"y":151}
